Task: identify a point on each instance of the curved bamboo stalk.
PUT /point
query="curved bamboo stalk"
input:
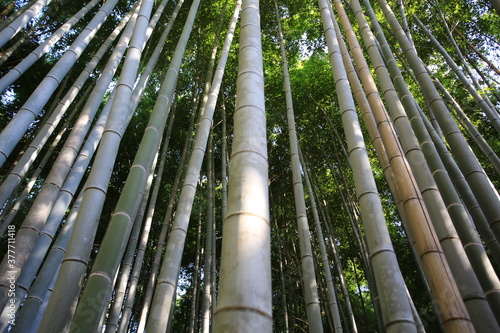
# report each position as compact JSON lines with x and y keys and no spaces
{"x":26,"y":63}
{"x":19,"y":124}
{"x":394,"y":302}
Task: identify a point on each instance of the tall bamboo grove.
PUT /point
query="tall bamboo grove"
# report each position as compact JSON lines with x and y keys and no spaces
{"x":249,"y":166}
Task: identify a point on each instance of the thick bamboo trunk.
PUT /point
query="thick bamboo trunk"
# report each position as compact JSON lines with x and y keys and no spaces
{"x":245,"y":295}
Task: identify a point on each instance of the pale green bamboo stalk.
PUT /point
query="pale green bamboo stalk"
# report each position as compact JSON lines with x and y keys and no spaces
{"x":439,"y":195}
{"x":333,"y":303}
{"x":29,"y":60}
{"x":394,"y":303}
{"x":67,"y":285}
{"x":469,"y":127}
{"x":245,"y":294}
{"x":39,"y":211}
{"x":14,"y":209}
{"x":125,"y":272}
{"x":16,"y":14}
{"x":472,"y":244}
{"x":62,"y":203}
{"x":138,"y":90}
{"x":492,"y":115}
{"x":194,"y":297}
{"x":35,"y":303}
{"x":208,"y":261}
{"x":114,"y":323}
{"x":485,"y":194}
{"x":31,"y":153}
{"x":310,"y":285}
{"x":19,"y":124}
{"x":141,"y":250}
{"x":21,"y":21}
{"x":161,"y":306}
{"x":160,"y":244}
